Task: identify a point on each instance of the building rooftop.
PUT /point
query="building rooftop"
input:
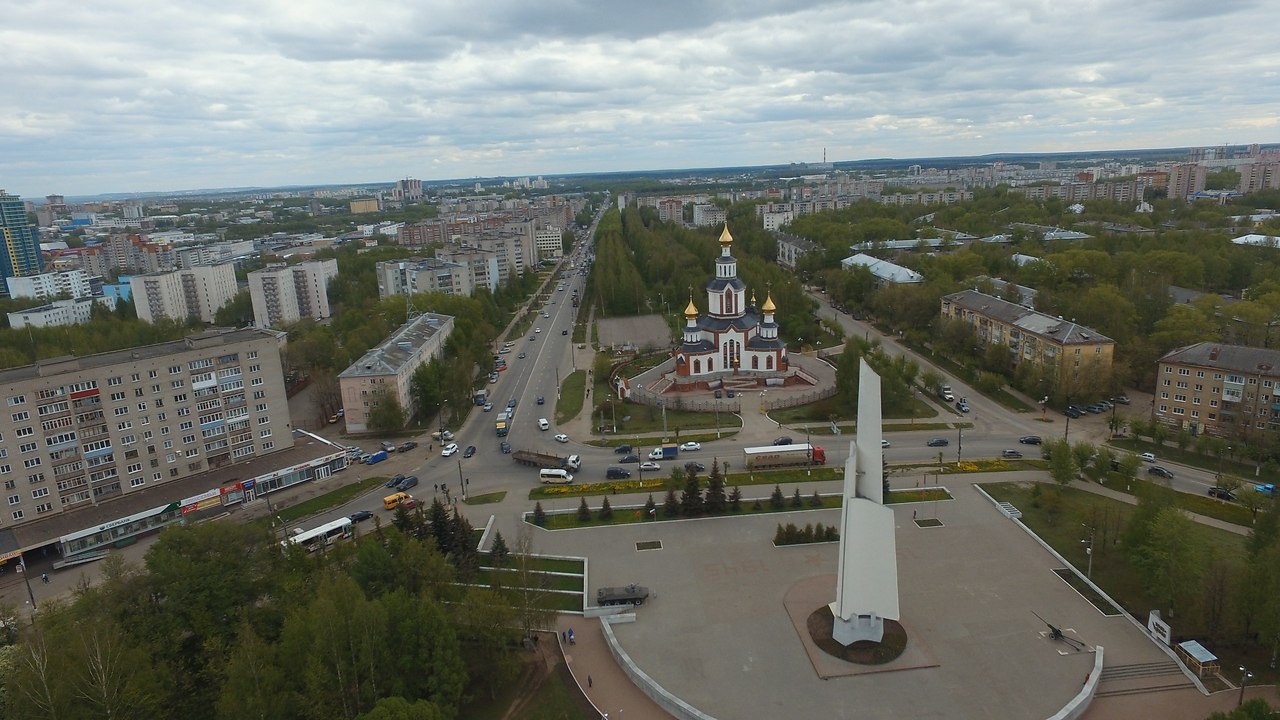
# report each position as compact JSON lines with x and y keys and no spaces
{"x":395,"y":351}
{"x":883,"y":269}
{"x":214,"y":337}
{"x":1062,"y":331}
{"x":1270,"y":241}
{"x":1240,"y":358}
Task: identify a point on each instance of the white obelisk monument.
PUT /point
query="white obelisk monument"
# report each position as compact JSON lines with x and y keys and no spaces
{"x":867,"y":578}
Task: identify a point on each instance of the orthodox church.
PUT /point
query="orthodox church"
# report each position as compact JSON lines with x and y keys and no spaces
{"x":733,"y":336}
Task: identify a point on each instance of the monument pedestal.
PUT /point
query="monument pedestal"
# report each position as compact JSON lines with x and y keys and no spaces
{"x":856,"y":628}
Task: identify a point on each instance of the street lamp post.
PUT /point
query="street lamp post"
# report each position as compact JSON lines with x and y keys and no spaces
{"x":959,"y":443}
{"x":808,"y":470}
{"x":22,"y":568}
{"x":1245,"y":676}
{"x":1089,"y":549}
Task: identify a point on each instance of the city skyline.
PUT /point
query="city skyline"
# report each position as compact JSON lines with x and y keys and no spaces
{"x":140,"y":96}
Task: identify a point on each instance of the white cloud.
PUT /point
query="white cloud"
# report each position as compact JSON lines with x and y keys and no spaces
{"x":118,"y":95}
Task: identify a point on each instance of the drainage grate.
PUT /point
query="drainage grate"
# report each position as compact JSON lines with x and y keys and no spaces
{"x":649,"y":545}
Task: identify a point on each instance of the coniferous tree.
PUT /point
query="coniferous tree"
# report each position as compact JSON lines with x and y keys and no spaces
{"x":779,"y":537}
{"x":499,"y":553}
{"x":401,"y":519}
{"x":816,"y":500}
{"x":539,"y":515}
{"x":691,"y":498}
{"x":671,"y":506}
{"x":650,"y":508}
{"x":440,"y":525}
{"x":796,"y":501}
{"x":777,"y":500}
{"x":715,"y":500}
{"x":584,"y":512}
{"x":735,"y":499}
{"x":606,"y":512}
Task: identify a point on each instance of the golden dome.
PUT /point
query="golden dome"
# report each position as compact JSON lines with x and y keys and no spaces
{"x":725,"y":238}
{"x":691,"y":311}
{"x":768,"y":304}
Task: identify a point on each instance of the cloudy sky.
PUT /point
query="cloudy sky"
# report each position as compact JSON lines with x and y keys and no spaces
{"x":136,"y":95}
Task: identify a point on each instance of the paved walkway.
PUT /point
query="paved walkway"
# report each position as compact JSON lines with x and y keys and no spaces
{"x":598,"y":676}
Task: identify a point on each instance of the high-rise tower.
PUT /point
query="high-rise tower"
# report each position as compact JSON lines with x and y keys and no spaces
{"x":19,"y":242}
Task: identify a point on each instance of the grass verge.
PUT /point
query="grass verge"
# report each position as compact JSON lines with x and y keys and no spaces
{"x":572,"y":388}
{"x":331,"y":499}
{"x":486,"y":499}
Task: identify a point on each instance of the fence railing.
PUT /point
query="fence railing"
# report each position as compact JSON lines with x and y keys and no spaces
{"x":778,"y":402}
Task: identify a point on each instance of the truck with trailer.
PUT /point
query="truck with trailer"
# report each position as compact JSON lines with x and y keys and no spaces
{"x":629,"y":595}
{"x":547,"y":460}
{"x":666,"y":451}
{"x":770,"y":457}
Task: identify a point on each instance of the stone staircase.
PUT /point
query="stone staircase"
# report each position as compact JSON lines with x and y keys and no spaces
{"x":1009,"y":510}
{"x":1141,"y":678}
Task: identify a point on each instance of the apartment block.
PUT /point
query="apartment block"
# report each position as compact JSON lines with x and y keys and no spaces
{"x":1077,"y":355}
{"x":671,"y":210}
{"x":369,"y":205}
{"x":482,"y":266}
{"x":1223,"y":390}
{"x":423,"y":275}
{"x":1186,"y":179}
{"x":1256,"y":177}
{"x":195,"y":292}
{"x":549,"y":242}
{"x":75,"y":311}
{"x":706,"y":214}
{"x":387,"y":370}
{"x":19,"y":242}
{"x":284,"y":294}
{"x":75,"y":432}
{"x":72,"y":283}
{"x":792,"y":247}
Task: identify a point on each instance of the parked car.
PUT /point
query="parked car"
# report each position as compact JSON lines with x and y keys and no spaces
{"x":562,"y":438}
{"x":695,"y":467}
{"x":488,"y":406}
{"x":407,"y":446}
{"x":1221,"y":493}
{"x":388,"y":446}
{"x":1096,"y":408}
{"x":1073,"y":412}
{"x":719,"y":394}
{"x":1159,"y":471}
{"x":1030,"y":440}
{"x":471,"y":450}
{"x":650,"y":465}
{"x":623,"y":449}
{"x":409,"y":482}
{"x":784,"y":440}
{"x":729,"y":393}
{"x":409,"y":503}
{"x":617,"y":473}
{"x":505,"y":447}
{"x":962,"y":405}
{"x":938,"y":442}
{"x":564,"y":332}
{"x":1121,"y":399}
{"x":630,"y":458}
{"x":449,"y":450}
{"x":1148,"y":457}
{"x":360,"y":516}
{"x":691,"y":445}
{"x":1011,"y":454}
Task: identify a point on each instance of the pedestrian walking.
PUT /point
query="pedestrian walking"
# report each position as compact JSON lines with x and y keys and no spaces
{"x":45,"y":577}
{"x":589,"y":680}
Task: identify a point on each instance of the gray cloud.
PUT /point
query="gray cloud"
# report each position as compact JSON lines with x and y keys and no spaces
{"x":120,"y":95}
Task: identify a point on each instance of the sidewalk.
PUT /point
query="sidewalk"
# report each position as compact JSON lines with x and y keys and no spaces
{"x":609,"y":689}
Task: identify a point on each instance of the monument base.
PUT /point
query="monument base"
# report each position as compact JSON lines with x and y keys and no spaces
{"x":856,"y":628}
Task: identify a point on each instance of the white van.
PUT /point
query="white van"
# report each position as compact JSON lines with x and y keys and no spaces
{"x":543,"y":424}
{"x":555,"y":476}
{"x":574,"y":463}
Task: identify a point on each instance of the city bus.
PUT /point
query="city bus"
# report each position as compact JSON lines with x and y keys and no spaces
{"x":321,"y":537}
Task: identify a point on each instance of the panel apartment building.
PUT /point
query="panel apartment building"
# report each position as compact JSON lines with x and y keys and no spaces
{"x":75,"y":432}
{"x":1223,"y":390}
{"x":1076,"y":354}
{"x":19,"y":242}
{"x":285,"y":294}
{"x":195,"y":292}
{"x":388,"y":368}
{"x":423,"y":275}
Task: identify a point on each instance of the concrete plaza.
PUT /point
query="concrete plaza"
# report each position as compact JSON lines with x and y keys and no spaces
{"x":717,"y":633}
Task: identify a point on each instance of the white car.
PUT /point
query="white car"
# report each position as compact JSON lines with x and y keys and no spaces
{"x":691,"y":445}
{"x":450,"y":449}
{"x":488,"y":407}
{"x":650,"y":466}
{"x":884,"y":444}
{"x":537,"y":330}
{"x":562,"y":438}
